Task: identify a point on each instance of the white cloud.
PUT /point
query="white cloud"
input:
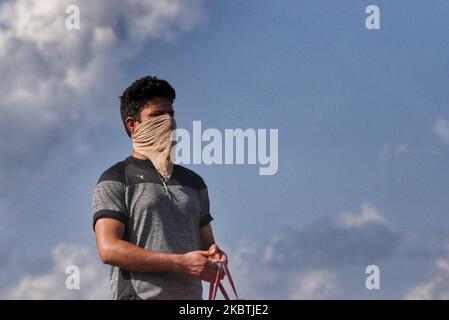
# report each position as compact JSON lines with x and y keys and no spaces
{"x":256,"y":279}
{"x":436,"y":288}
{"x":253,"y":278}
{"x":365,"y":237}
{"x":368,"y":215}
{"x":41,"y":58}
{"x":324,"y":260}
{"x":58,"y":84}
{"x":94,"y":283}
{"x":287,"y":268}
{"x":441,"y":129}
{"x":315,"y":285}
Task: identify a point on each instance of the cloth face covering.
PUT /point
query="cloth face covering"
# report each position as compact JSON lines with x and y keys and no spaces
{"x":153,"y":139}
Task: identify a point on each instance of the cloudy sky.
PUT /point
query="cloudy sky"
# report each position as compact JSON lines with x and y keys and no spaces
{"x":363,"y":123}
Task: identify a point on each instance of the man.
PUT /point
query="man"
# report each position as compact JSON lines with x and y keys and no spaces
{"x":151,"y":217}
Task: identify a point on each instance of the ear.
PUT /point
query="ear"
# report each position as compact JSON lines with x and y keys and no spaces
{"x":131,"y":124}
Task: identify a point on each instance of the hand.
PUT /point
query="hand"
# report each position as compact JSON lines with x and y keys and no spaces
{"x":196,"y":264}
{"x":216,"y":254}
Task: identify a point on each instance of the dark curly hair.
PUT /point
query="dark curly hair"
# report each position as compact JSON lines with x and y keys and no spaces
{"x":137,"y":96}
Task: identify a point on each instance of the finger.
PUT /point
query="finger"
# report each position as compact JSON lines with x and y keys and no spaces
{"x":212,"y":271}
{"x":203,"y":252}
{"x":208,"y":276}
{"x":211,"y":276}
{"x":213,"y":249}
{"x":211,"y":265}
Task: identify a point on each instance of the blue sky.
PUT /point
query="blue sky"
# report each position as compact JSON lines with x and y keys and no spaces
{"x":357,"y":113}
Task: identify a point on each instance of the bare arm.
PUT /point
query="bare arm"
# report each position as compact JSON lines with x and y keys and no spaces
{"x":115,"y":251}
{"x":207,"y":237}
{"x":208,"y":243}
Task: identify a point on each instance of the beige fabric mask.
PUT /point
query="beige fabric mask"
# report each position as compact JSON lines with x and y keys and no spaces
{"x":153,"y":139}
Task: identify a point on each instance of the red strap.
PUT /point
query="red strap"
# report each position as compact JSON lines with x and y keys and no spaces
{"x":217,"y":283}
{"x":223,"y":291}
{"x":228,"y":275}
{"x":213,"y":286}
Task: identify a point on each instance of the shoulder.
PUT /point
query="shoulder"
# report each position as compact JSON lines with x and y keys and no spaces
{"x":189,"y":177}
{"x":115,"y":173}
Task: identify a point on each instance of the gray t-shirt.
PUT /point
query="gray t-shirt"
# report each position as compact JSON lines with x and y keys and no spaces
{"x":158,"y":218}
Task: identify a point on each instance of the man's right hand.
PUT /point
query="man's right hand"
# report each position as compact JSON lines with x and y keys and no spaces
{"x":197,"y":264}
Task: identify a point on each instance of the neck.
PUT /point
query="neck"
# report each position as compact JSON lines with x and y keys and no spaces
{"x":138,"y":155}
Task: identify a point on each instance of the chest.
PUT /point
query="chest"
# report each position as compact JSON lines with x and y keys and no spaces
{"x":178,"y":201}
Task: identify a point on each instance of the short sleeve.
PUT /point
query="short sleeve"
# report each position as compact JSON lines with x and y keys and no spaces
{"x":109,"y":201}
{"x":205,"y":216}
